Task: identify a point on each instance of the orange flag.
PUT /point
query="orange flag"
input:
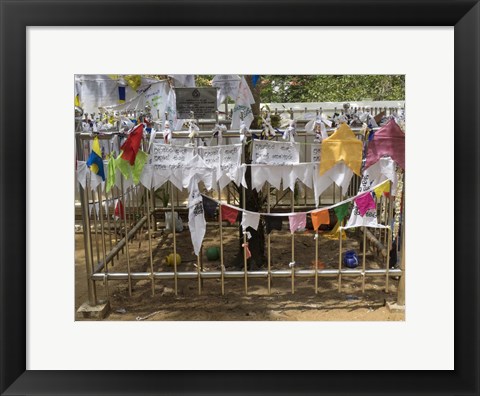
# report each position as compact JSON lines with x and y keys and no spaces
{"x":320,"y":217}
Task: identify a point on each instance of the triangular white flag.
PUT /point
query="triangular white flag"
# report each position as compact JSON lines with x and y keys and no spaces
{"x":242,"y":104}
{"x":250,"y":219}
{"x":196,"y":218}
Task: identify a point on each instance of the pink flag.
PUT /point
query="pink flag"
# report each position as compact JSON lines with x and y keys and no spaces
{"x":297,"y":221}
{"x":365,"y":202}
{"x":389,"y":140}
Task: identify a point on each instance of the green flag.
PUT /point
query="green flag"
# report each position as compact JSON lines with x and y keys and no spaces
{"x":123,"y":166}
{"x":111,"y":173}
{"x":341,"y":211}
{"x":140,"y":161}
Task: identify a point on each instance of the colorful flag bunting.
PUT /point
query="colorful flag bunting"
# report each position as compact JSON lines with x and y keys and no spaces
{"x":341,"y":146}
{"x":389,"y":140}
{"x":121,"y":94}
{"x":95,"y":161}
{"x":297,"y":221}
{"x":229,"y":214}
{"x":111,"y":174}
{"x":273,"y":223}
{"x":333,"y":235}
{"x":341,"y":211}
{"x":243,"y":104}
{"x":197,"y":225}
{"x":382,"y":188}
{"x":250,"y":219}
{"x":320,"y":217}
{"x":132,"y":144}
{"x":365,"y":202}
{"x":140,"y":161}
{"x":133,"y":80}
{"x":131,"y":159}
{"x":119,"y":211}
{"x":209,"y":206}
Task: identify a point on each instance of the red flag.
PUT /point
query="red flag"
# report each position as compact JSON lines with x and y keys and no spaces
{"x":132,"y":144}
{"x":229,"y":214}
{"x":119,"y":211}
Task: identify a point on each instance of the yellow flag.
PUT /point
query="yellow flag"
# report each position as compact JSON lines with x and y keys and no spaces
{"x":341,"y":146}
{"x":333,"y":235}
{"x":382,"y":188}
{"x":133,"y":80}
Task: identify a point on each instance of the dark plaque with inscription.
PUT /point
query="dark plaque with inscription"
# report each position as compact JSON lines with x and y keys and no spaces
{"x":202,"y":101}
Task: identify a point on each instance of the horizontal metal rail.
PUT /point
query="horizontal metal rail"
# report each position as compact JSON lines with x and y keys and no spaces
{"x":251,"y":274}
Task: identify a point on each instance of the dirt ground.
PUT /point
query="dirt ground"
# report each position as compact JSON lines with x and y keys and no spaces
{"x":350,"y":304}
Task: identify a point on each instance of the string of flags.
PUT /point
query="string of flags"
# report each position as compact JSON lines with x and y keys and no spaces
{"x":297,"y":220}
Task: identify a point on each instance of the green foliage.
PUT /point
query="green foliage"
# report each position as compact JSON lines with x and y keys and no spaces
{"x":326,"y":88}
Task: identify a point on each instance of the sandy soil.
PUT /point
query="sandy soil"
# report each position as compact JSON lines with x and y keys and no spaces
{"x":330,"y":305}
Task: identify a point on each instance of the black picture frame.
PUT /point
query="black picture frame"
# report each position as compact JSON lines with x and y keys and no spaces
{"x":17,"y":15}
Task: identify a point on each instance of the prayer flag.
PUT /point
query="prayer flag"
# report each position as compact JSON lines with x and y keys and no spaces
{"x":341,"y":211}
{"x":209,"y":206}
{"x":140,"y":161}
{"x":273,"y":223}
{"x":389,"y":140}
{"x":341,"y":146}
{"x":320,"y":217}
{"x":131,"y":159}
{"x":243,"y":104}
{"x":95,"y":161}
{"x":250,"y":219}
{"x":333,"y":235}
{"x":133,"y":81}
{"x":119,"y":211}
{"x":132,"y":144}
{"x":297,"y":221}
{"x":196,"y":225}
{"x":111,"y":174}
{"x":229,"y":214}
{"x":382,"y":188}
{"x":365,"y":202}
{"x":121,"y":94}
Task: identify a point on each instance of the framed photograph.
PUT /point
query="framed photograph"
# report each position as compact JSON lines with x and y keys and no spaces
{"x":45,"y":350}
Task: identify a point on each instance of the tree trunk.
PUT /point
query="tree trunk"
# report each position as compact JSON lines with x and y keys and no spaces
{"x":254,"y":200}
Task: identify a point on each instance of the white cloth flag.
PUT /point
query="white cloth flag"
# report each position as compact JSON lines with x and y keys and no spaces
{"x":196,"y":217}
{"x":146,"y":178}
{"x":243,"y":102}
{"x":183,"y":80}
{"x":97,"y":209}
{"x":84,"y":175}
{"x":383,"y":170}
{"x":235,"y":174}
{"x":250,"y":219}
{"x":226,"y":161}
{"x":340,"y":174}
{"x":97,"y":90}
{"x":227,"y":85}
{"x":171,"y":110}
{"x":81,"y":173}
{"x":198,"y":170}
{"x":275,"y":153}
{"x":275,"y":174}
{"x":156,"y":97}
